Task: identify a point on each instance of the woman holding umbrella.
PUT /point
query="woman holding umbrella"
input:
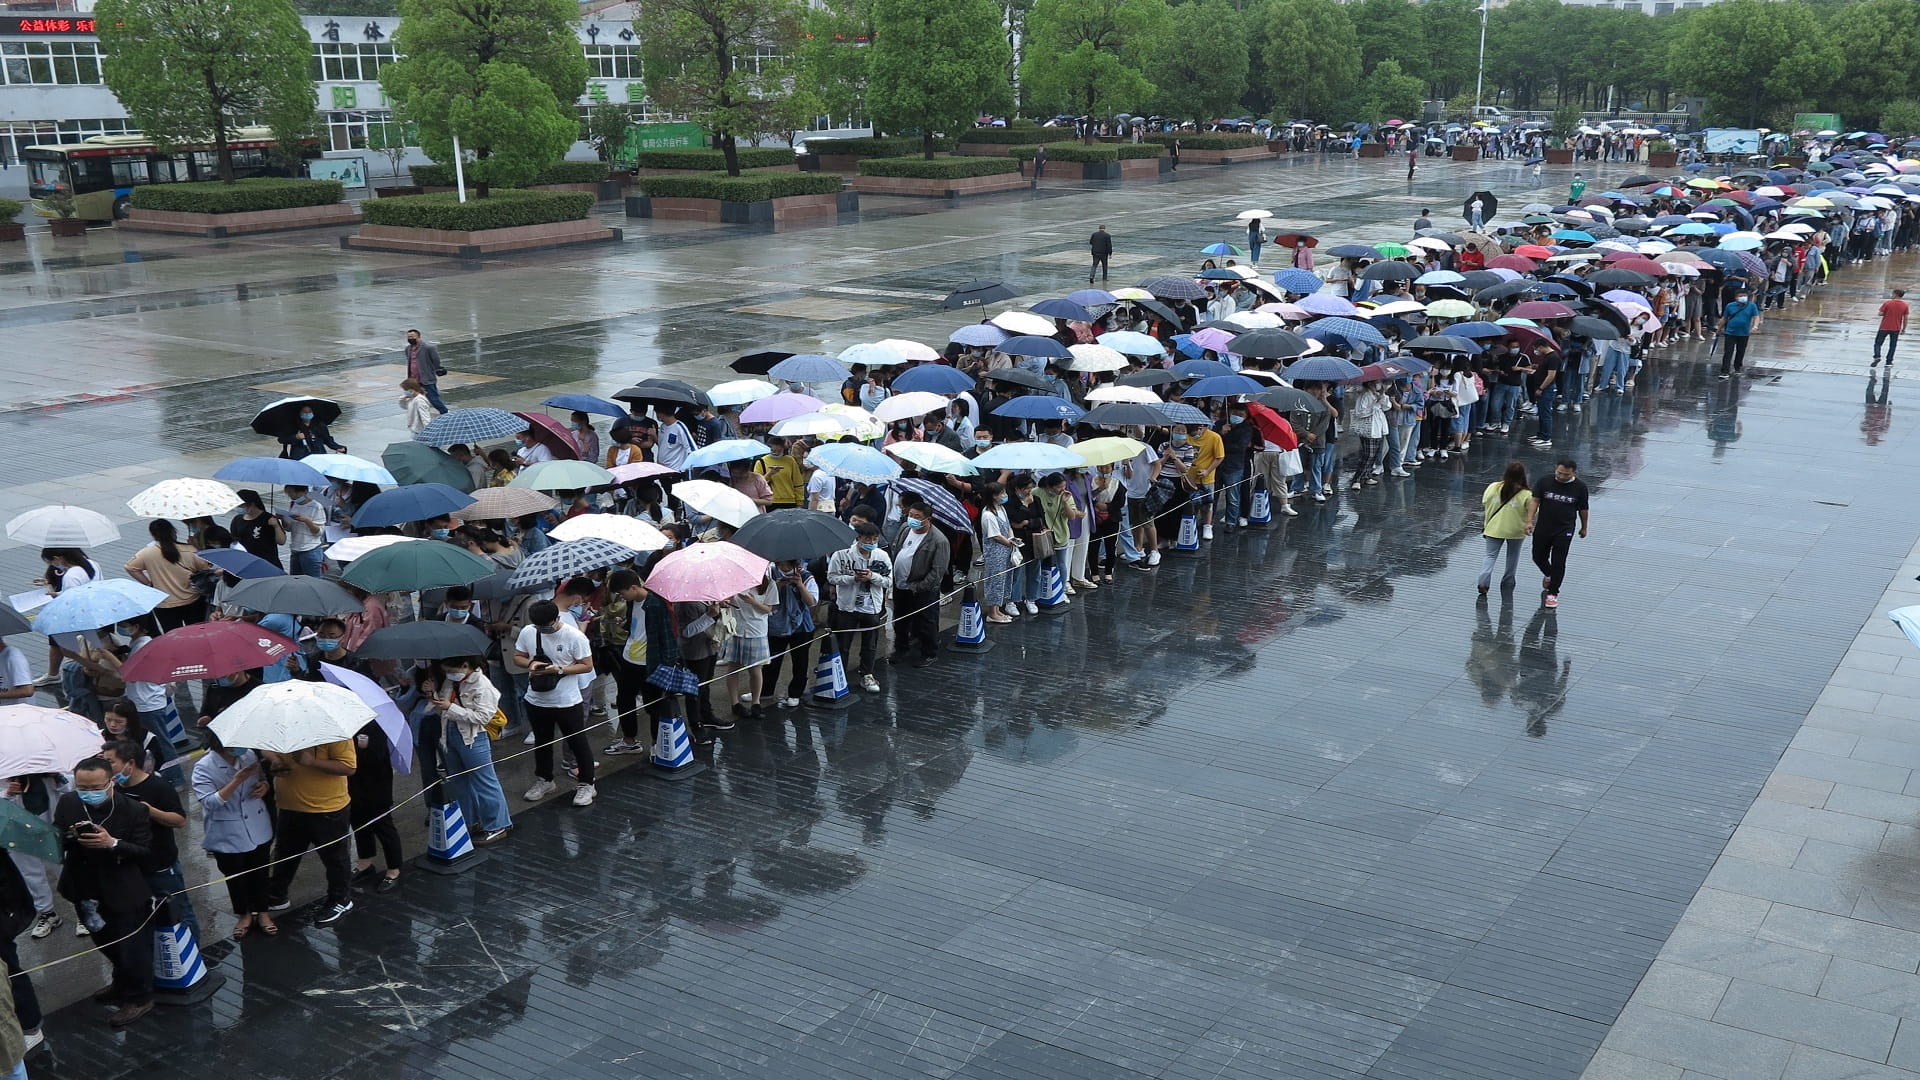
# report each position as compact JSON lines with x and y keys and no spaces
{"x":307,"y":434}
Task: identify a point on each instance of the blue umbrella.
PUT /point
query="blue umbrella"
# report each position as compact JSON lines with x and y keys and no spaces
{"x":934,"y":379}
{"x":1298,"y":281}
{"x":1184,"y":344}
{"x":271,"y":470}
{"x":1040,"y":407}
{"x":96,"y":604}
{"x":1092,"y":297}
{"x":854,"y":461}
{"x":808,"y":368}
{"x":979,"y":334}
{"x":1350,"y":329}
{"x":1219,"y":274}
{"x":1032,"y":345}
{"x":414,"y":502}
{"x":1226,"y":386}
{"x":241,"y":564}
{"x":1572,"y":234}
{"x":1221,"y":249}
{"x":727,"y":450}
{"x":1179,"y":412}
{"x":1036,"y":456}
{"x":471,"y":426}
{"x":946,"y":509}
{"x":1322,"y":369}
{"x":1355,"y":251}
{"x":585,"y":403}
{"x":1200,"y":369}
{"x":1062,"y":309}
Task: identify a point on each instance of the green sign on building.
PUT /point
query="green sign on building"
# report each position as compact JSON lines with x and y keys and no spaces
{"x":1816,"y":121}
{"x":659,"y":137}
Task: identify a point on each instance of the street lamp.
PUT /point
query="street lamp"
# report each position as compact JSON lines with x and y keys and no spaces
{"x":1480,"y":73}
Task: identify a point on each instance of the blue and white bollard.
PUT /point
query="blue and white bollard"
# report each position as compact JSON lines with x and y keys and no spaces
{"x":971,"y":634}
{"x":673,"y":750}
{"x":830,"y":689}
{"x":450,"y":848}
{"x":1053,"y":589}
{"x":180,"y":974}
{"x":170,"y":720}
{"x":1188,"y":539}
{"x":1260,"y":505}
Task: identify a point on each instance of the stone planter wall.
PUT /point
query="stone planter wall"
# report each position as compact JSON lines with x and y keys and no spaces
{"x":474,"y":245}
{"x":781,"y":211}
{"x":12,"y":230}
{"x":1561,"y":155}
{"x":1145,"y":168}
{"x":253,"y":221}
{"x":68,"y":226}
{"x":1663,"y":159}
{"x":938,"y":188}
{"x":1206,"y":156}
{"x":794,"y":167}
{"x":1466,"y":153}
{"x":1373,"y":150}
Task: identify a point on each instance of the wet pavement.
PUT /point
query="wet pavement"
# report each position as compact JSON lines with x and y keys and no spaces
{"x":1295,"y":808}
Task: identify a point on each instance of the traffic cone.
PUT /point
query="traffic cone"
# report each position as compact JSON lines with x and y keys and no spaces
{"x":1053,"y":589}
{"x":1260,"y":505}
{"x":450,"y":847}
{"x":1189,"y":536}
{"x":830,"y":690}
{"x":170,"y":720}
{"x":971,"y":634}
{"x":180,"y":975}
{"x":673,"y":750}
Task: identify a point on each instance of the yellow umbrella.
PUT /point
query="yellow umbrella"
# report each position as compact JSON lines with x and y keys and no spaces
{"x":1106,"y":451}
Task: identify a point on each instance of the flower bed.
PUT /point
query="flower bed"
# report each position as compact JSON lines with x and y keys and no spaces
{"x":756,"y":198}
{"x":949,"y":177}
{"x":682,"y":161}
{"x":507,"y":220}
{"x":262,"y":204}
{"x":845,"y":155}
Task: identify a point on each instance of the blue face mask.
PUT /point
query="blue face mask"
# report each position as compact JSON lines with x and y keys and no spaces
{"x":457,"y":615}
{"x":327,"y":645}
{"x":1237,"y":419}
{"x":983,"y":443}
{"x":916,"y":523}
{"x":440,"y":534}
{"x":122,"y":779}
{"x":1177,"y":437}
{"x":305,"y":417}
{"x":868,"y":548}
{"x":93,"y":798}
{"x":577,"y":610}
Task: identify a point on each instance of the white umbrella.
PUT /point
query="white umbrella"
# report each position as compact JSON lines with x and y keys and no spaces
{"x":716,"y":500}
{"x":63,"y":526}
{"x":349,"y":467}
{"x":628,"y":532}
{"x":1253,"y":215}
{"x":1096,"y":358}
{"x":909,"y":405}
{"x":290,"y":716}
{"x":741,"y":392}
{"x":1255,"y":320}
{"x":854,"y":461}
{"x":35,"y":739}
{"x":910,"y":350}
{"x":184,"y":498}
{"x":1394,"y":307}
{"x":933,"y":457}
{"x":872,"y":354}
{"x":1023,"y":322}
{"x":353,"y":547}
{"x":813,"y":423}
{"x":1132,"y":343}
{"x":860,"y":423}
{"x":1139,"y":395}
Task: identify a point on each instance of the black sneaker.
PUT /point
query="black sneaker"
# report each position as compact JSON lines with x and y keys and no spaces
{"x":333,"y":914}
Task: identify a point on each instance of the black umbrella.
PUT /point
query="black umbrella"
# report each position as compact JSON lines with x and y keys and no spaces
{"x":656,"y":395}
{"x":1488,"y":206}
{"x":1018,"y":377}
{"x":793,"y":534}
{"x":1390,"y":271}
{"x":1355,"y":251}
{"x":1159,"y":309}
{"x":294,"y":594}
{"x":433,"y":639}
{"x":1123,"y":414}
{"x":975,"y":293}
{"x":1274,"y":344}
{"x":1481,"y":279}
{"x":495,"y":587}
{"x":1639,"y":180}
{"x":1149,"y":377}
{"x":1635,"y":223}
{"x":1287,"y":399}
{"x":1604,"y":310}
{"x":1587,"y":326}
{"x":1612,"y":278}
{"x":1505,"y":289}
{"x":758,"y":363}
{"x":1444,"y":343}
{"x":12,"y":622}
{"x":276,"y":419}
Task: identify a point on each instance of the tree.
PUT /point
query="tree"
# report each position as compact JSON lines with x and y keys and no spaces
{"x":1090,"y":56}
{"x":1312,"y":57}
{"x":502,"y":76}
{"x":936,"y":65}
{"x":1385,"y":93}
{"x":194,"y":70}
{"x":1753,"y":58}
{"x":1451,"y":29}
{"x":606,"y":130}
{"x":1390,"y":30}
{"x":717,"y":61}
{"x":389,"y":140}
{"x":1882,"y":42}
{"x":834,"y":55}
{"x":1900,"y":118}
{"x":1201,"y":70}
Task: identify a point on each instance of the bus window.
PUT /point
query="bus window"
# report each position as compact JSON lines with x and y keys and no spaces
{"x":130,"y":171}
{"x":90,"y":174}
{"x":167,"y":170}
{"x":47,"y":177}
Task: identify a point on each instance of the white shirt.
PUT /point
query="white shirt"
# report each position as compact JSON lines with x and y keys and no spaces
{"x":300,"y":535}
{"x":564,"y":648}
{"x":1139,"y":473}
{"x":146,"y":696}
{"x":14,"y":672}
{"x":820,"y":491}
{"x":675,"y":443}
{"x":533,"y":455}
{"x":903,"y":562}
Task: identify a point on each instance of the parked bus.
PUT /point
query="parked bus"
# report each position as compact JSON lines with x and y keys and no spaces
{"x":101,"y":171}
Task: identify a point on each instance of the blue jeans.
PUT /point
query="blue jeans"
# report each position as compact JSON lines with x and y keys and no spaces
{"x":476,"y":787}
{"x":1505,"y":400}
{"x":1253,"y":252}
{"x":1494,"y":544}
{"x":1129,"y":550}
{"x":308,"y":562}
{"x":19,"y":1072}
{"x":432,"y":390}
{"x":1026,"y":581}
{"x":1575,"y":378}
{"x":1233,"y":482}
{"x":1548,"y":398}
{"x":1614,"y":371}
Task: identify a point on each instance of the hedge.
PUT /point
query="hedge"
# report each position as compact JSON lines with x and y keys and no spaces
{"x":1140,"y":150}
{"x":751,"y":187}
{"x":1069,"y":152}
{"x":259,"y":193}
{"x":504,"y":208}
{"x":10,"y":209}
{"x":751,"y":157}
{"x":944,"y":168}
{"x":1012,"y":136}
{"x":560,"y":172}
{"x":880,"y":146}
{"x":1210,"y":140}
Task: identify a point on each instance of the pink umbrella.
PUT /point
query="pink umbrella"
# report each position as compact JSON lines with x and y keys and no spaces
{"x":639,"y":470}
{"x":1212,"y":338}
{"x":385,"y":711}
{"x":707,"y":572}
{"x":553,"y":434}
{"x":208,"y":650}
{"x":36,"y":739}
{"x":778,"y":407}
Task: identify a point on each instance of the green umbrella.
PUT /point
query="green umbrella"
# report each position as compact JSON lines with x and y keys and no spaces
{"x":418,"y":463}
{"x":561,"y":474}
{"x":416,"y":564}
{"x":26,"y":834}
{"x":1394,"y":251}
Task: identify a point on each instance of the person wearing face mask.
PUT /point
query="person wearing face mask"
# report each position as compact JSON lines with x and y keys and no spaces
{"x":425,"y":368}
{"x":555,"y":656}
{"x":165,"y":815}
{"x":997,"y":547}
{"x":370,"y":810}
{"x":328,"y":646}
{"x":584,"y":436}
{"x":307,"y":434}
{"x":532,"y":451}
{"x":237,"y":830}
{"x":105,"y":839}
{"x":862,"y":579}
{"x":303,"y":520}
{"x":920,"y":556}
{"x":982,"y":442}
{"x":1737,"y":321}
{"x":467,"y":701}
{"x":783,"y":475}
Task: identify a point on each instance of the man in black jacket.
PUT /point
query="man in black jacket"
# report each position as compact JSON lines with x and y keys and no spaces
{"x":920,"y":556}
{"x":1101,"y":244}
{"x":425,"y":368}
{"x":107,"y":838}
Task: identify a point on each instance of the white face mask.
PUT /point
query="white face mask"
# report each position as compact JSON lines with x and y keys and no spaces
{"x":457,"y":676}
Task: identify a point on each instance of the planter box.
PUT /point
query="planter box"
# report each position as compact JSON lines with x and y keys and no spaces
{"x":938,"y":188}
{"x":215,"y":226}
{"x":1145,"y":168}
{"x":970,"y":149}
{"x":1466,"y":153}
{"x":1560,"y":155}
{"x":398,"y":190}
{"x":796,"y":166}
{"x":12,"y":230}
{"x":1663,"y":159}
{"x":1373,"y":150}
{"x":68,"y":226}
{"x":781,"y":211}
{"x":1205,"y":156}
{"x":474,"y":245}
{"x":1798,"y":161}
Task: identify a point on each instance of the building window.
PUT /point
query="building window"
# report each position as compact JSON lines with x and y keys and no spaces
{"x":613,"y":61}
{"x":345,"y":61}
{"x":50,"y":63}
{"x":762,"y":57}
{"x":350,"y":130}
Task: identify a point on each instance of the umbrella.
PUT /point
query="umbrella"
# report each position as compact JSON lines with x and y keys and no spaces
{"x":1380,"y":271}
{"x":96,"y":604}
{"x":1439,"y":277}
{"x":1908,"y":620}
{"x":739,"y":392}
{"x":946,"y":509}
{"x":1019,"y":377}
{"x":469,"y":426}
{"x":1062,"y":309}
{"x":975,"y":293}
{"x":1273,"y":427}
{"x":1270,"y":344}
{"x":813,"y":423}
{"x":35,"y":739}
{"x":208,"y":650}
{"x":1594,"y":329}
{"x":856,"y":423}
{"x":778,"y":407}
{"x":1322,"y":369}
{"x":1032,"y":456}
{"x":716,"y":501}
{"x":586,"y":403}
{"x":854,"y":461}
{"x":1540,"y":309}
{"x":351,"y":548}
{"x":1218,"y":249}
{"x":1095,"y":358}
{"x":979,"y":334}
{"x":1294,"y":240}
{"x":794,"y":534}
{"x":23,"y":833}
{"x":426,"y":639}
{"x":627,"y":532}
{"x":240,"y":564}
{"x":271,"y":470}
{"x":1148,"y":377}
{"x":416,"y":564}
{"x":1296,"y":280}
{"x":279,"y":416}
{"x":353,"y":469}
{"x":185,"y":498}
{"x":1132,"y":343}
{"x":392,"y":722}
{"x":909,"y":405}
{"x":1040,"y":407}
{"x":932,"y":457}
{"x":561,"y":474}
{"x":1613,"y":276}
{"x":63,"y":526}
{"x":1224,"y":386}
{"x":707,"y":573}
{"x":291,"y":716}
{"x":639,"y":470}
{"x":870,"y":354}
{"x":1179,"y":412}
{"x":415,"y":502}
{"x":719,"y":453}
{"x":1174,"y":288}
{"x":551,"y":434}
{"x":12,"y":622}
{"x":934,"y":379}
{"x":295,"y":594}
{"x":1329,"y":304}
{"x":1488,"y":206}
{"x":1107,"y":450}
{"x":1476,"y":330}
{"x":808,"y":368}
{"x":664,"y":391}
{"x":1125,"y":414}
{"x":1092,"y":297}
{"x":1201,"y":369}
{"x":1451,"y":343}
{"x":1023,"y":322}
{"x":417,"y":463}
{"x":1349,"y":329}
{"x":503,"y":503}
{"x":570,"y":559}
{"x":1253,"y":215}
{"x":1355,"y":251}
{"x":1117,"y":392}
{"x":1034,"y":345}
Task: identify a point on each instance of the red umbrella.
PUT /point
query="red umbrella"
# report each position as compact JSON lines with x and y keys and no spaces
{"x":1534,"y":251}
{"x":1541,"y":309}
{"x":553,"y":434}
{"x":208,"y":650}
{"x":1273,"y":427}
{"x":1642,"y":265}
{"x":1512,"y":262}
{"x":1612,"y":257}
{"x":1530,"y":335}
{"x":1295,"y":239}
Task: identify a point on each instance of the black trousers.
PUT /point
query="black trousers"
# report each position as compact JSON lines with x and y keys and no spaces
{"x":1099,"y":264}
{"x":800,"y":682}
{"x":294,"y":832}
{"x":127,"y":942}
{"x":916,"y":621}
{"x":173,"y":618}
{"x":372,"y":821}
{"x":631,"y":692}
{"x":1734,"y":354}
{"x":1550,"y":555}
{"x":246,"y":876}
{"x":852,"y":626}
{"x":25,"y":1002}
{"x":568,"y":720}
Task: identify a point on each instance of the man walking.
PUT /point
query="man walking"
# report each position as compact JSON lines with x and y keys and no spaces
{"x":310,"y":787}
{"x":1423,"y":222}
{"x":1893,"y":322}
{"x":1101,"y":244}
{"x":1559,"y":508}
{"x":1736,"y":324}
{"x":423,"y":366}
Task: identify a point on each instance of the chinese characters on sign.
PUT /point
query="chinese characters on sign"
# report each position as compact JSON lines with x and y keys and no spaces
{"x":49,"y":26}
{"x":332,"y":32}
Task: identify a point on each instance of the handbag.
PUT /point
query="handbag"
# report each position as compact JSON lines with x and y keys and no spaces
{"x":1042,"y":544}
{"x":1442,"y":410}
{"x":674,"y":679}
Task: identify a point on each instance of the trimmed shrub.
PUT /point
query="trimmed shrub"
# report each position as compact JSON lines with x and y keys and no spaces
{"x":1013,"y":136}
{"x":259,"y":193}
{"x":1128,"y":151}
{"x":10,"y":209}
{"x":1069,"y":152}
{"x":944,"y":168}
{"x":882,"y":146}
{"x":750,"y":187}
{"x":503,"y":209}
{"x":571,"y":172}
{"x":1209,"y":140}
{"x":432,"y":175}
{"x":751,"y":157}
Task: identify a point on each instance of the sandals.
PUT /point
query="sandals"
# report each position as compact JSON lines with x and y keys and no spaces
{"x":268,"y":926}
{"x":243,"y":927}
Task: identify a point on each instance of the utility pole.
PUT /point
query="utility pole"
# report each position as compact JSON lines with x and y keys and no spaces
{"x":1480,"y":73}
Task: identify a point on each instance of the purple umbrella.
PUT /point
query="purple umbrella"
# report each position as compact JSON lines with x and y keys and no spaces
{"x":385,"y":712}
{"x":979,"y":334}
{"x":778,"y":407}
{"x":1327,"y":304}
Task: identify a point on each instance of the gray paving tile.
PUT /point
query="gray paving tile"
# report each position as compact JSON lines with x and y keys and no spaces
{"x":1798,"y":1018}
{"x":1700,"y":1045}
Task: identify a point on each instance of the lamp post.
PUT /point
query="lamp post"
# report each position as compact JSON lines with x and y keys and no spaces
{"x":1480,"y":72}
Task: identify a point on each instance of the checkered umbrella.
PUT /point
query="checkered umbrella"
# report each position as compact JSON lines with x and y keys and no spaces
{"x":1174,"y":288}
{"x":471,"y":426}
{"x":497,"y":504}
{"x":1179,"y":413}
{"x":570,"y":559}
{"x":1298,"y":281}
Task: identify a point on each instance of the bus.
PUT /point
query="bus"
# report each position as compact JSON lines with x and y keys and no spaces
{"x":101,"y":171}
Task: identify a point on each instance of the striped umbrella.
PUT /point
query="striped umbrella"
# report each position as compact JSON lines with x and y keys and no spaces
{"x":946,"y":509}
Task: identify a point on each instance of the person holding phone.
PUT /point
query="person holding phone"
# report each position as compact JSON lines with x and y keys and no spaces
{"x":553,"y":654}
{"x":106,"y":838}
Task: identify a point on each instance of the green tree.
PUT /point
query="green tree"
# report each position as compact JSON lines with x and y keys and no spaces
{"x":1390,"y":30}
{"x":1753,"y":58}
{"x":834,"y":56}
{"x":936,"y":65}
{"x":502,"y":76}
{"x":606,"y":130}
{"x":1258,"y":96}
{"x":1882,"y":43}
{"x":1201,"y":70}
{"x":1312,"y":57}
{"x":1899,"y":118}
{"x":1385,"y":93}
{"x":195,"y":70}
{"x":700,"y":61}
{"x":1451,"y":30}
{"x":1091,"y":55}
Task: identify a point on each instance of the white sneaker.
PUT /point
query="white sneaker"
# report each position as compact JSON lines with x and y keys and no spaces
{"x":46,"y":923}
{"x":35,"y":1039}
{"x":1206,"y":533}
{"x":1152,"y":560}
{"x":583,"y":795}
{"x":1399,"y":472}
{"x":1032,"y":608}
{"x":528,"y":741}
{"x":870,"y":684}
{"x":540,"y":790}
{"x":1243,"y":523}
{"x":1288,"y":510}
{"x":791,"y":703}
{"x":1071,"y":591}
